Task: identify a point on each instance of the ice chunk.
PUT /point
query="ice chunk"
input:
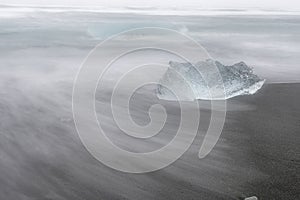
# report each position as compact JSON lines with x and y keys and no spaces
{"x":251,"y":198}
{"x":182,"y":81}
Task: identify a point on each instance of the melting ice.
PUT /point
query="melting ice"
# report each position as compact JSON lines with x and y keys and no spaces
{"x":207,"y":80}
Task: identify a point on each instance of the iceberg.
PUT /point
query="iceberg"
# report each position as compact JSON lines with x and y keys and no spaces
{"x":207,"y":80}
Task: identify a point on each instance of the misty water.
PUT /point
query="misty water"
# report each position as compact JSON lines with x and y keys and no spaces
{"x":41,"y":53}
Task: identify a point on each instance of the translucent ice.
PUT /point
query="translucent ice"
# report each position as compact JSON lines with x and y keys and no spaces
{"x":251,"y":198}
{"x":208,"y":80}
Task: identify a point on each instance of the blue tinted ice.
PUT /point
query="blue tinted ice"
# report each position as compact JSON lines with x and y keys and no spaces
{"x":209,"y":80}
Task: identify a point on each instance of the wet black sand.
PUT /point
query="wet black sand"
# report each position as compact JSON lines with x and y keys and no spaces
{"x":41,"y":156}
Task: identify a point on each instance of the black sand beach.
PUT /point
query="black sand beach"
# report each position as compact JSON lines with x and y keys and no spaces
{"x":257,"y":154}
{"x":42,"y":157}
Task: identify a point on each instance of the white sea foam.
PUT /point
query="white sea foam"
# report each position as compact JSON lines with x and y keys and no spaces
{"x":13,"y":10}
